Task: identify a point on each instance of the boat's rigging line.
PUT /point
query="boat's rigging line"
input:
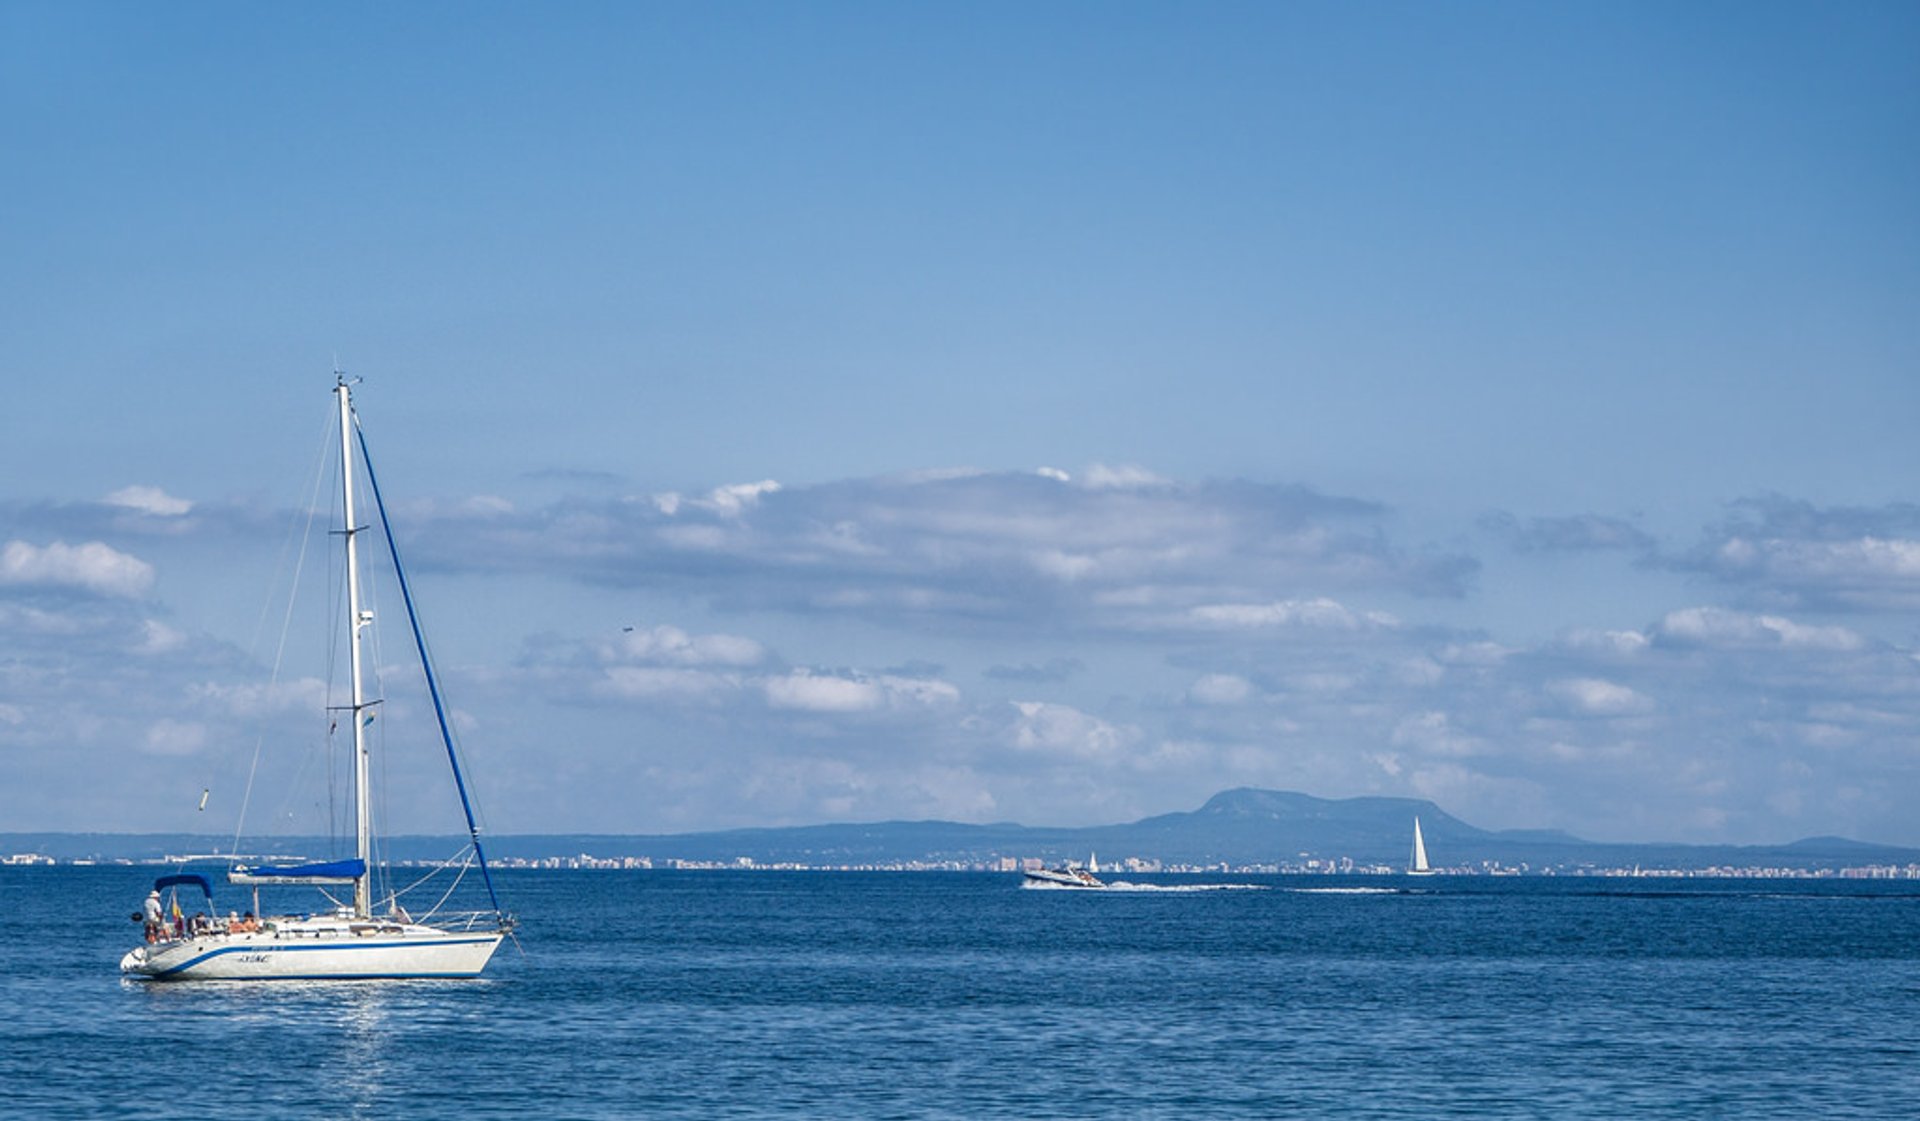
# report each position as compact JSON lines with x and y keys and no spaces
{"x":286,"y":627}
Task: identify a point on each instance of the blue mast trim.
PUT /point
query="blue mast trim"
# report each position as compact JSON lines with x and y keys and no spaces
{"x":426,"y":664}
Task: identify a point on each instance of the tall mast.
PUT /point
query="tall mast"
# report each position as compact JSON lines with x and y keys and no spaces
{"x":356,"y":622}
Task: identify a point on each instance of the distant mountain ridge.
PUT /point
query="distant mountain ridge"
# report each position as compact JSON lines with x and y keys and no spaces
{"x":1242,"y":826}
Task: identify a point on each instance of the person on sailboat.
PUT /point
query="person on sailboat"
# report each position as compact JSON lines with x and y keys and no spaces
{"x":150,"y":913}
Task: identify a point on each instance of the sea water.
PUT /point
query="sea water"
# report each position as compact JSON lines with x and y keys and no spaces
{"x":926,"y":995}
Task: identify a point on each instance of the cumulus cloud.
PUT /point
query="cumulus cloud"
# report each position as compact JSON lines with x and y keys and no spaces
{"x":1128,"y":643}
{"x":664,"y":683}
{"x":1101,"y":477}
{"x":1597,"y":697}
{"x":1794,"y":553}
{"x":817,"y":692}
{"x":1614,"y":644}
{"x":665,"y":664}
{"x":160,"y":638}
{"x":149,"y":500}
{"x":669,"y":644}
{"x":1720,"y":627}
{"x":90,"y":567}
{"x":1313,"y":614}
{"x":802,"y":690}
{"x":728,"y":501}
{"x":1119,"y":551}
{"x":1062,"y":730}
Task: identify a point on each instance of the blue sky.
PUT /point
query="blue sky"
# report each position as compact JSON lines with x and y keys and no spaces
{"x":988,"y":412}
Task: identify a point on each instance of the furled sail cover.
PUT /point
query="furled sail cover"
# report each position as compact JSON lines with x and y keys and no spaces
{"x":329,"y":872}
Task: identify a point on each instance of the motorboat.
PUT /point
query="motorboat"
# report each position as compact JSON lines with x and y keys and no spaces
{"x":1069,"y":875}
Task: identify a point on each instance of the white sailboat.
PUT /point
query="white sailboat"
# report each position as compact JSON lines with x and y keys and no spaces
{"x":347,"y":940}
{"x":1417,"y":863}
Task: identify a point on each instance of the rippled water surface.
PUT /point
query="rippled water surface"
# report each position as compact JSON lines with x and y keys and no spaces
{"x":846,"y":995}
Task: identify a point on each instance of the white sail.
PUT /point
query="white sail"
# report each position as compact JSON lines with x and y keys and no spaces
{"x":1417,"y":865}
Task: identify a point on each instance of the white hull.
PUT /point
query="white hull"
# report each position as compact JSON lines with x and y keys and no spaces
{"x":1053,"y":878}
{"x":318,"y":951}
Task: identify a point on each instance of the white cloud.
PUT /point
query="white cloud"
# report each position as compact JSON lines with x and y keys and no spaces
{"x":1719,"y":627}
{"x":1063,"y":565}
{"x":729,"y":501}
{"x":664,"y":683}
{"x":93,"y":566}
{"x":1234,"y":625}
{"x":1831,"y":558}
{"x":1624,"y":644}
{"x":811,"y":692}
{"x":1056,"y":729}
{"x":735,"y":498}
{"x":1101,"y":477}
{"x":1320,"y":613}
{"x":160,"y":638}
{"x":1220,"y":689}
{"x":669,"y":644}
{"x":1125,"y":551}
{"x":918,"y":690}
{"x":149,"y":500}
{"x":1857,"y":560}
{"x":1597,"y":697}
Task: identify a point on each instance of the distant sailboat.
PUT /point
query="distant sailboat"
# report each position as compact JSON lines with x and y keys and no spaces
{"x":1417,"y":864}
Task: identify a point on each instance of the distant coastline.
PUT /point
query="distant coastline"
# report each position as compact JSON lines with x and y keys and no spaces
{"x":1243,"y":831}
